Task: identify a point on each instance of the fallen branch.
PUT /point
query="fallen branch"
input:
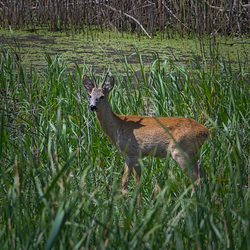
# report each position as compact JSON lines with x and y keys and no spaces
{"x":170,"y":11}
{"x":127,"y":15}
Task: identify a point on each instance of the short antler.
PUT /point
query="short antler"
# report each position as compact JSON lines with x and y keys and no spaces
{"x":105,"y":77}
{"x":92,"y":75}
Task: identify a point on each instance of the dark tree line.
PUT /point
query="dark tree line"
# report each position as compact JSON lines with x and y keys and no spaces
{"x":169,"y":17}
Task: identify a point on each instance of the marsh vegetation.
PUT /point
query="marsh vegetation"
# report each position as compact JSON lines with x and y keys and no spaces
{"x":60,"y":175}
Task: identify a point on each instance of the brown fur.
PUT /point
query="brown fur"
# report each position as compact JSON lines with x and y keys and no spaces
{"x":136,"y":136}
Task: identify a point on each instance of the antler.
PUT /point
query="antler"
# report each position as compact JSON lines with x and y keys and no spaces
{"x":105,"y":77}
{"x":92,"y":75}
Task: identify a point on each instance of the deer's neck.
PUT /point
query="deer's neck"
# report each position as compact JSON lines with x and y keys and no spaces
{"x":108,"y":120}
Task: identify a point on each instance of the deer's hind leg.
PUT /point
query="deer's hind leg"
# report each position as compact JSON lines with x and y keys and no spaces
{"x":188,"y":163}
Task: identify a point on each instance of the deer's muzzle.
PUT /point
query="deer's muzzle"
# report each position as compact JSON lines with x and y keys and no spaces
{"x":93,"y":108}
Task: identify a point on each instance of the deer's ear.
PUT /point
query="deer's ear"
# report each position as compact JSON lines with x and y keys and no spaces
{"x":87,"y":84}
{"x":109,"y":84}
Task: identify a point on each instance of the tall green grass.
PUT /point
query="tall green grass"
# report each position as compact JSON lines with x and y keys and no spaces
{"x":60,"y":175}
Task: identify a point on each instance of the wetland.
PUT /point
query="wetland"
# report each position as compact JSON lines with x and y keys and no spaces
{"x":112,"y":48}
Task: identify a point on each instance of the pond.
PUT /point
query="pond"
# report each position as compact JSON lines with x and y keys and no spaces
{"x":110,"y":48}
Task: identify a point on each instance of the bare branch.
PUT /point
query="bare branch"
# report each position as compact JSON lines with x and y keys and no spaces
{"x":215,"y":7}
{"x":170,"y":11}
{"x":245,"y":5}
{"x":125,"y":14}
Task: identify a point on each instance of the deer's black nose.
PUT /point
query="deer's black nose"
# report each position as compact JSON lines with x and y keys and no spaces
{"x":93,"y":108}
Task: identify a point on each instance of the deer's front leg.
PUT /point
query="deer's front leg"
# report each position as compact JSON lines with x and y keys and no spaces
{"x":126,"y":175}
{"x":132,"y":164}
{"x":137,"y":177}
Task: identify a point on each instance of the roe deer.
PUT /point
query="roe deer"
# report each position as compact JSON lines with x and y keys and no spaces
{"x":136,"y":136}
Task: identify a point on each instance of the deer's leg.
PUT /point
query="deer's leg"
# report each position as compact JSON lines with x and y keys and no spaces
{"x":137,"y":177}
{"x":188,"y":163}
{"x":197,"y":168}
{"x":131,"y":165}
{"x":126,"y":175}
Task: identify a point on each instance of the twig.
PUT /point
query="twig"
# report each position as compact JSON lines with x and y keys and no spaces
{"x":217,"y":8}
{"x":245,"y":5}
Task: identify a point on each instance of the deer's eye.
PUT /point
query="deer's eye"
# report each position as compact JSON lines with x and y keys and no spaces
{"x":90,"y":96}
{"x":102,"y":97}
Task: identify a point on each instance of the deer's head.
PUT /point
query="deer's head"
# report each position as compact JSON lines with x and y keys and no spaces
{"x":98,"y":94}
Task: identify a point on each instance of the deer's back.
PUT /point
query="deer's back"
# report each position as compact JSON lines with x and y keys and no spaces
{"x":152,"y":135}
